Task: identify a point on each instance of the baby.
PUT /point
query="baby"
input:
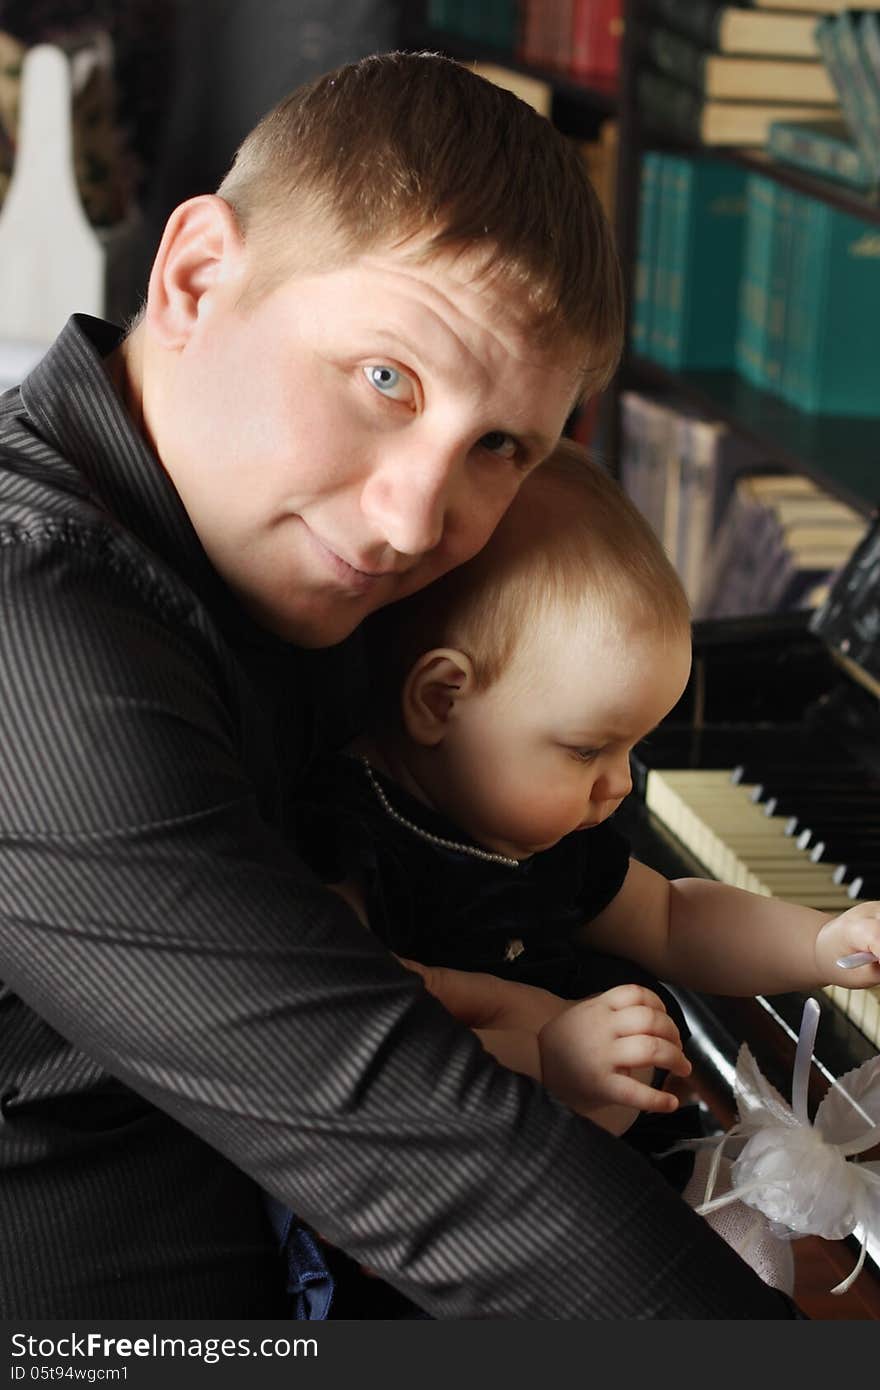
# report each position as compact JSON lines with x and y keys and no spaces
{"x":471,"y":826}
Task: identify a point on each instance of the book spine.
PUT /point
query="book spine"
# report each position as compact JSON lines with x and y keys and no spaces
{"x":676,"y":56}
{"x":800,"y":309}
{"x":845,"y":378}
{"x":665,"y":105}
{"x":752,"y":299}
{"x":819,"y":152}
{"x":582,"y":45}
{"x":710,"y":243}
{"x":849,"y":82}
{"x":700,"y":19}
{"x":682,"y":217}
{"x":778,"y":290}
{"x":609,"y":30}
{"x":643,"y":290}
{"x":660,"y":311}
{"x":853,"y":58}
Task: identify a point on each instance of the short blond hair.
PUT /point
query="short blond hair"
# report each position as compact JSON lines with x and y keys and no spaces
{"x":572,"y":544}
{"x":414,"y":148}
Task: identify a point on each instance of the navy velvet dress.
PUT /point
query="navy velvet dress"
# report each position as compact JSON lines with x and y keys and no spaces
{"x":441,"y":906}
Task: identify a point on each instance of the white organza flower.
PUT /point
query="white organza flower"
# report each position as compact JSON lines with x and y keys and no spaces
{"x":797,"y":1173}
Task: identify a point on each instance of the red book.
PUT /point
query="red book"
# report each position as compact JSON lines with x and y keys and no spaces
{"x":609,"y":30}
{"x":582,"y":37}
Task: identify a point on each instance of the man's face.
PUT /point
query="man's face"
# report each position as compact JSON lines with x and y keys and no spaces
{"x":355,"y":434}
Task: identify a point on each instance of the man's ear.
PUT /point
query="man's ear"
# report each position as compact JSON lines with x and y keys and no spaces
{"x":439,"y":679}
{"x":201,"y":248}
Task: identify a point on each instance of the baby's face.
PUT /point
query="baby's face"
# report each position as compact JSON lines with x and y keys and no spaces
{"x":545,"y":750}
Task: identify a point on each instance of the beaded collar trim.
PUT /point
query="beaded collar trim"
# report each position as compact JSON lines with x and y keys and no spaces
{"x":426,"y":834}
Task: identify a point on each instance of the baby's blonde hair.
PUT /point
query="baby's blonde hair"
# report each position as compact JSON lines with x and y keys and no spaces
{"x":571,"y":545}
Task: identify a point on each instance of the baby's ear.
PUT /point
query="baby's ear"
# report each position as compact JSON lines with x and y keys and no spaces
{"x":436,"y":682}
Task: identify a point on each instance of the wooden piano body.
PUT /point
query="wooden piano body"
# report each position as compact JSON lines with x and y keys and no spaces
{"x":780,"y":706}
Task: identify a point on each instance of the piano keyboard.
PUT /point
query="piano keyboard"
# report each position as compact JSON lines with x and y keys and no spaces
{"x":739,"y":844}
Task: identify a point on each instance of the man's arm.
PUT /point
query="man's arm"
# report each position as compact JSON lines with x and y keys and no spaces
{"x":151,"y":915}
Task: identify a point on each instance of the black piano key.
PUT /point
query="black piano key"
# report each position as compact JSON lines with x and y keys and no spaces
{"x":836,"y":849}
{"x":790,"y":783}
{"x":816,"y":826}
{"x":806,"y":803}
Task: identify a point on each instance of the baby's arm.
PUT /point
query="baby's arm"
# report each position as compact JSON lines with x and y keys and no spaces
{"x":708,"y":936}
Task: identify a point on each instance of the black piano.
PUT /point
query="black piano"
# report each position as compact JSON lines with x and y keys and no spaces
{"x":767,"y":774}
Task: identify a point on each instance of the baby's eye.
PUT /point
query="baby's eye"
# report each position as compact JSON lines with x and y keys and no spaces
{"x":389,"y":381}
{"x":497,"y":442}
{"x":583,"y":755}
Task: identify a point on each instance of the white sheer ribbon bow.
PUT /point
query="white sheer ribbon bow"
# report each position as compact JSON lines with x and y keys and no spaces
{"x":796,"y":1172}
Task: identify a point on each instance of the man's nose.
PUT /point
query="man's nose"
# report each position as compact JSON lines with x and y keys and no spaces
{"x":408,"y":496}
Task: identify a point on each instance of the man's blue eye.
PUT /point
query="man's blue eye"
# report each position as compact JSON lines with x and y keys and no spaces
{"x":389,"y":381}
{"x":497,"y":442}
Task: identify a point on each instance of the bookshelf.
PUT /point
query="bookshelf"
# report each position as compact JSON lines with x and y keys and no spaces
{"x":842,"y":455}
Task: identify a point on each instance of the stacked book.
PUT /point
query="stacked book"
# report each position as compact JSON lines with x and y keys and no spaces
{"x":722,"y":74}
{"x":847,"y":150}
{"x":673,"y":467}
{"x":495,"y":22}
{"x":692,"y":219}
{"x":580,"y":38}
{"x":778,"y":546}
{"x":809,"y":302}
{"x":735,"y":271}
{"x":744,"y":536}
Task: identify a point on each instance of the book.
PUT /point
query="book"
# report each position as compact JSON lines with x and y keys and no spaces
{"x":667,"y":105}
{"x":732,"y":29}
{"x":761,"y":560}
{"x":859,"y":103}
{"x":796,"y":328}
{"x":750,"y":350}
{"x":596,"y":30}
{"x":778,"y":288}
{"x":812,"y":6}
{"x":840,"y":289}
{"x":707,"y":232}
{"x":649,"y":460}
{"x":738,"y":77}
{"x":668,"y":189}
{"x":646,"y":253}
{"x":698,"y":453}
{"x":824,"y":148}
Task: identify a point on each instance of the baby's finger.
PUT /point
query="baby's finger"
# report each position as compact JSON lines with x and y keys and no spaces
{"x":646,"y":1051}
{"x":632,"y":996}
{"x":626,"y":1090}
{"x":640,"y":1019}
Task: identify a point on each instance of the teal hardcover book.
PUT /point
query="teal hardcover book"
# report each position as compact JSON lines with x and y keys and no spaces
{"x":705,"y":264}
{"x":643,"y":287}
{"x":754,"y":288}
{"x":823,"y":148}
{"x":868,"y":26}
{"x":841,"y":278}
{"x":778,"y":290}
{"x":660,"y":309}
{"x":841,"y":53}
{"x":799,"y":320}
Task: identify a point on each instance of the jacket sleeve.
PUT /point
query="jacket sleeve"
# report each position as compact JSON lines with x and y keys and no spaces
{"x":152,"y":916}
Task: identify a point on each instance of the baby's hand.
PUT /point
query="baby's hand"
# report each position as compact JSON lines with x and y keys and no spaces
{"x":854,"y":932}
{"x":603,"y":1050}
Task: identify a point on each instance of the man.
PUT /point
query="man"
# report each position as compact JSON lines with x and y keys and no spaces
{"x":348,"y":361}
